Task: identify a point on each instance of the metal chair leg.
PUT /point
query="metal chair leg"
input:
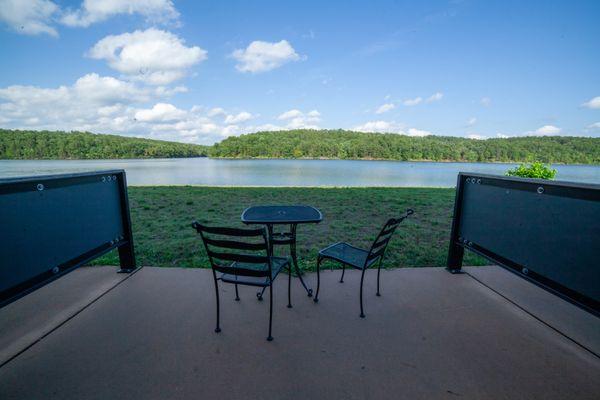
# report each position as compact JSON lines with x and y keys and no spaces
{"x":237,"y":295}
{"x":378,"y":272}
{"x":270,"y":338}
{"x":343,"y":272}
{"x":289,"y":286}
{"x":362,"y":278}
{"x":319,"y":259}
{"x":218,"y":328}
{"x":259,"y":295}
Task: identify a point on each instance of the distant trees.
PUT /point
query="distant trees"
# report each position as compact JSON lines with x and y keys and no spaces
{"x":304,"y":143}
{"x":359,"y":145}
{"x":15,"y":144}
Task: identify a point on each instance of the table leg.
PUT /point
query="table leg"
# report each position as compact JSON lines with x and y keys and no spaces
{"x":270,"y":233}
{"x":292,"y":241}
{"x":295,"y":259}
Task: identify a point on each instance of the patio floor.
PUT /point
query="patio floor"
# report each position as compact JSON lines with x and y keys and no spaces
{"x":484,"y":334}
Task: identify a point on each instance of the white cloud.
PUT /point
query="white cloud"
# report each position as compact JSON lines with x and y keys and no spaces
{"x":486,"y":101}
{"x":502,"y":136}
{"x":216,"y":111}
{"x":268,"y":127}
{"x":160,"y":112}
{"x":297,"y":119}
{"x":301,"y":123}
{"x":194,"y":129}
{"x":34,"y":17}
{"x":104,"y":105}
{"x":471,"y":121}
{"x":110,"y":110}
{"x":153,"y":56}
{"x":240,"y":117}
{"x":418,"y":100}
{"x":92,"y":11}
{"x":412,"y":102}
{"x":593,"y":103}
{"x":199,"y":128}
{"x":385,"y":108}
{"x":90,"y":89}
{"x":31,"y":17}
{"x":546,"y":130}
{"x":434,"y":97}
{"x":595,"y":125}
{"x":290,"y":114}
{"x":106,"y":89}
{"x":476,"y":137}
{"x":418,"y":132}
{"x":262,"y":56}
{"x":378,"y":126}
{"x":110,"y":105}
{"x":390,"y":127}
{"x":93,"y":101}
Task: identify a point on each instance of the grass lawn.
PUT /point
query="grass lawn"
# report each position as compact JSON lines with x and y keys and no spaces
{"x":163,"y":237}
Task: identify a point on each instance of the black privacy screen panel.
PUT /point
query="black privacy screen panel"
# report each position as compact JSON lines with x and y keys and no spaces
{"x":52,"y":223}
{"x":550,"y":231}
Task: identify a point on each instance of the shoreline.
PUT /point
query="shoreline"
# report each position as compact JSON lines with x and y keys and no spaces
{"x":290,"y":159}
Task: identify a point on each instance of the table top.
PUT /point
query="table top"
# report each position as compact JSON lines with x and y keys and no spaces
{"x":281,"y":215}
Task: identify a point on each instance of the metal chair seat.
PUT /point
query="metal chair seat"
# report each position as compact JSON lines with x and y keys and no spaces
{"x":277,"y":264}
{"x":242,"y":257}
{"x":348,"y":254}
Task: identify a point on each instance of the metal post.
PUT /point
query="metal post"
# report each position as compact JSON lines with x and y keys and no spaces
{"x":126,"y":251}
{"x":455,"y":251}
{"x":126,"y":258}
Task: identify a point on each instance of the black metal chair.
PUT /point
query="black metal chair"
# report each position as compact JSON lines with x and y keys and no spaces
{"x":355,"y":257}
{"x":255,"y":267}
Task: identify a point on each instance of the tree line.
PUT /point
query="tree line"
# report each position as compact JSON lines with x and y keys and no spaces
{"x":27,"y":145}
{"x":343,"y":144}
{"x":302,"y":143}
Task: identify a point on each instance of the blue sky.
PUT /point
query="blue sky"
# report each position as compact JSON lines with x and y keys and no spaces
{"x":201,"y":71}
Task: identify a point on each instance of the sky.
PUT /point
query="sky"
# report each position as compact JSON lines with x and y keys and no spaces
{"x":200,"y":71}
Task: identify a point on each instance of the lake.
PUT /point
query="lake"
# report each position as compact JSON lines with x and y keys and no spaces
{"x":225,"y":172}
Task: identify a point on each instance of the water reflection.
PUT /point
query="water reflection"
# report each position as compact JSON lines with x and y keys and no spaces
{"x":214,"y":172}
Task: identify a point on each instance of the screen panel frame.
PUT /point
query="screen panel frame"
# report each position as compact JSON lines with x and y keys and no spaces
{"x":123,"y":243}
{"x":458,"y":244}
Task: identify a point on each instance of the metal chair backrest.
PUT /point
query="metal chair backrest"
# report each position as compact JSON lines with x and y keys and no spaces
{"x":247,"y":248}
{"x":381,"y":241}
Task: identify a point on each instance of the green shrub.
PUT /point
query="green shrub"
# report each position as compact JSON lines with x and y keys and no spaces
{"x":534,"y":170}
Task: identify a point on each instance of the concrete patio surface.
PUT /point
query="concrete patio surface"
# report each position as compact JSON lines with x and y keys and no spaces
{"x":484,"y":334}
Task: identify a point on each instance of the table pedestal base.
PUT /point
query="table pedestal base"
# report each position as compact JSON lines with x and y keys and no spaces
{"x":282,"y":239}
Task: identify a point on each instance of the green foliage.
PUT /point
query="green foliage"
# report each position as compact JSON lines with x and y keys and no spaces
{"x":162,"y":216}
{"x":534,"y":170}
{"x":359,"y":145}
{"x":304,"y":144}
{"x":27,"y":145}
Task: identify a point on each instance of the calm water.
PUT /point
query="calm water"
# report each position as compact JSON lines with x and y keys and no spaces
{"x":214,"y":172}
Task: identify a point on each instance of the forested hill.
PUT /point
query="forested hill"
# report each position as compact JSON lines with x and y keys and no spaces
{"x":359,"y":145}
{"x":84,"y":145}
{"x":303,"y":144}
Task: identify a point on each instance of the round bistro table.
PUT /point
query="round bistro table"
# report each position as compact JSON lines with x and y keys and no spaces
{"x":283,"y":215}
